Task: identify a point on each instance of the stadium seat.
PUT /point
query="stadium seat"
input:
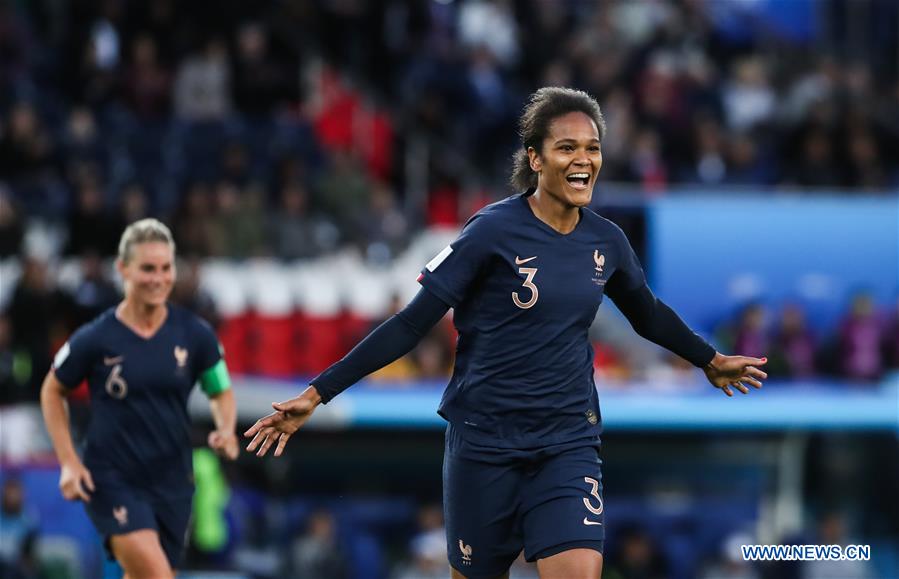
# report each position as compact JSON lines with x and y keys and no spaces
{"x":223,"y":282}
{"x":272,"y":327}
{"x":317,"y":321}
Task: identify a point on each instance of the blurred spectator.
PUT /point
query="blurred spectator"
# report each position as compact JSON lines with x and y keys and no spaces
{"x":866,"y":170}
{"x":816,"y":166}
{"x":202,"y":90}
{"x":187,"y":292}
{"x":91,"y":226}
{"x":891,"y":339}
{"x":238,"y":226}
{"x":294,"y":232}
{"x":345,"y":188}
{"x":647,"y":164}
{"x":490,"y":25}
{"x":95,"y":292}
{"x":428,"y":547}
{"x":793,"y":351}
{"x":39,"y":314}
{"x":749,"y":98}
{"x":235,"y":164}
{"x":433,"y":356}
{"x":381,"y":226}
{"x":15,"y":366}
{"x":195,"y":224}
{"x":750,"y":334}
{"x":81,"y":142}
{"x":636,"y":557}
{"x":147,"y":82}
{"x":134,"y":204}
{"x":17,"y":527}
{"x":11,"y":227}
{"x":17,"y":47}
{"x":745,"y":166}
{"x":316,"y":554}
{"x":258,"y":81}
{"x":26,"y":147}
{"x":708,"y":164}
{"x":93,"y":66}
{"x":860,"y":340}
{"x":620,"y":129}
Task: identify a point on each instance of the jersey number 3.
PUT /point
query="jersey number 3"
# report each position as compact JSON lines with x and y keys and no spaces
{"x":530,"y":272}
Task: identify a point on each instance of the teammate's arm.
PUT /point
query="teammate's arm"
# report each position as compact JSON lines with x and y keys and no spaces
{"x":216,"y":383}
{"x":75,"y":480}
{"x":223,"y":440}
{"x":658,"y":323}
{"x":388,"y":342}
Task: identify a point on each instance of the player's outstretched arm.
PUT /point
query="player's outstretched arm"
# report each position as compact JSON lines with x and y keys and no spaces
{"x":278,"y":426}
{"x":75,"y":480}
{"x":737,"y":371}
{"x":388,"y":342}
{"x":655,"y":321}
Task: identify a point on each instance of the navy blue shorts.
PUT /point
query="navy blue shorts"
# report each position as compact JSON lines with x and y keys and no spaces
{"x":117,"y":507}
{"x":544,"y":501}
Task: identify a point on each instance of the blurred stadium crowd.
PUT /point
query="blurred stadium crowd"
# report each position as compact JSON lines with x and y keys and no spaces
{"x":383,"y":117}
{"x":295,"y":131}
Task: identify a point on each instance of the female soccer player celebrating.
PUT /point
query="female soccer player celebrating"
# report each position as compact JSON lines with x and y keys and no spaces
{"x":141,"y":359}
{"x":525,"y":277}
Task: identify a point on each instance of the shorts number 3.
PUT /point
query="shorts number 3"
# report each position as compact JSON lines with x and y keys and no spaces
{"x":595,"y":492}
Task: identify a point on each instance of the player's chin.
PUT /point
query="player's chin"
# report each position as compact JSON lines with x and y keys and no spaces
{"x":156,"y":298}
{"x":580,"y":197}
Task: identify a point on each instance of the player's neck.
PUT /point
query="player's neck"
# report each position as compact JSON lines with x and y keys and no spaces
{"x":143,"y":319}
{"x":561,"y":217}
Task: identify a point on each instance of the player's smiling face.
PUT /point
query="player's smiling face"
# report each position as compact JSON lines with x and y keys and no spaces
{"x":150,"y":273}
{"x":570,"y":160}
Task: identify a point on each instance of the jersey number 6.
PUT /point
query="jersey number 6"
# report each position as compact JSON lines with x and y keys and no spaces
{"x":115,"y":384}
{"x":530,"y":272}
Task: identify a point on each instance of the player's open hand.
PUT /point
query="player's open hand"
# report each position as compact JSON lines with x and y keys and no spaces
{"x":224,"y":444}
{"x":278,"y":426}
{"x":725,"y":372}
{"x":75,"y":482}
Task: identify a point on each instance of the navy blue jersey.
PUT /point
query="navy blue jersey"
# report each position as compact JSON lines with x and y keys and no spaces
{"x":524,"y":297}
{"x":139,"y":390}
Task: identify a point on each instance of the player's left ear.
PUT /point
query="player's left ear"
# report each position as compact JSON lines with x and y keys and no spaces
{"x":534,"y":160}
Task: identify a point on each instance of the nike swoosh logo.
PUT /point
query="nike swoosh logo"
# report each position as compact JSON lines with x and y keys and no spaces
{"x":519,"y":261}
{"x":589,"y":522}
{"x":113,"y":361}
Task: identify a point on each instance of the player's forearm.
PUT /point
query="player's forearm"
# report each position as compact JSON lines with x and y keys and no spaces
{"x":223,"y":407}
{"x":54,"y":408}
{"x":669,"y":331}
{"x":658,"y":323}
{"x":388,"y":342}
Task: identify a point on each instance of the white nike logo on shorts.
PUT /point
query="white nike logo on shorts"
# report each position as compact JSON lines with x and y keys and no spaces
{"x":519,"y":261}
{"x":589,"y":522}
